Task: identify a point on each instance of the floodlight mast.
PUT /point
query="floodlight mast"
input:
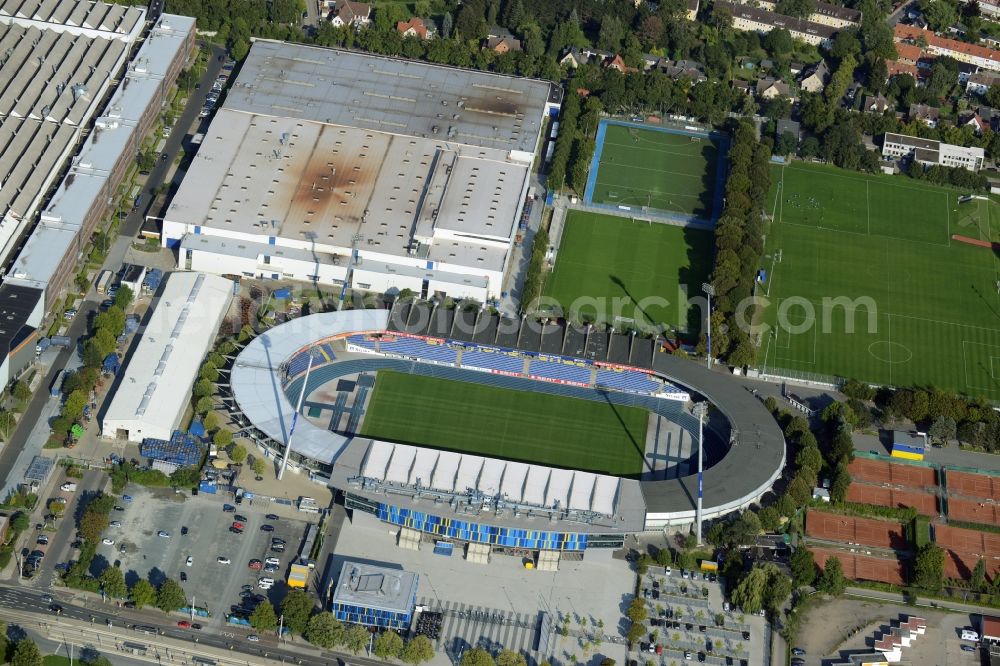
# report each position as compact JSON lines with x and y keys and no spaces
{"x":709,"y":291}
{"x":295,"y":418}
{"x":700,"y":408}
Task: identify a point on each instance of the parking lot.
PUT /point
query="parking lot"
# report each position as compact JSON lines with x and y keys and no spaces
{"x":199,"y":528}
{"x":688,"y":620}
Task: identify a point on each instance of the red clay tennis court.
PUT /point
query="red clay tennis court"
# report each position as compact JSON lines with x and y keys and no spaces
{"x":960,"y":565}
{"x":972,"y":511}
{"x":897,"y":474}
{"x":974,"y":485}
{"x":864,"y":493}
{"x":850,"y":529}
{"x":864,"y":567}
{"x":965,"y":540}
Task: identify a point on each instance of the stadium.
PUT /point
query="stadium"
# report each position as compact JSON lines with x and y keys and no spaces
{"x":323,"y":368}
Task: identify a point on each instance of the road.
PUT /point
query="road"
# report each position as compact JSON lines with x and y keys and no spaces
{"x":129,"y":230}
{"x":34,"y":608}
{"x":59,"y":544}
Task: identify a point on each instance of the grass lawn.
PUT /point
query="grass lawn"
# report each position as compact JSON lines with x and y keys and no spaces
{"x":933,"y":312}
{"x":647,"y":167}
{"x":609,"y":267}
{"x":526,"y":426}
{"x":56,"y":660}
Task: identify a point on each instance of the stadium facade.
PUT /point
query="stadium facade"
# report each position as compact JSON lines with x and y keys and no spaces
{"x":338,"y":167}
{"x":479,"y":500}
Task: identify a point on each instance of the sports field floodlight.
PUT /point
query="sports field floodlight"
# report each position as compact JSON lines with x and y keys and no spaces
{"x":295,"y":417}
{"x":699,"y":409}
{"x":709,"y":291}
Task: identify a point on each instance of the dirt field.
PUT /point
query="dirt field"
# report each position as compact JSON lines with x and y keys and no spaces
{"x":974,"y":485}
{"x":852,"y":530}
{"x":863,"y":567}
{"x":897,"y":474}
{"x":864,"y":493}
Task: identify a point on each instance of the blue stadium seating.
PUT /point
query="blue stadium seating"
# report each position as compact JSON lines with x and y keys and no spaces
{"x":560,"y":371}
{"x":298,"y":364}
{"x":627,"y":380}
{"x":419,"y":349}
{"x":502,"y":362}
{"x":360,"y":341}
{"x":325,"y":351}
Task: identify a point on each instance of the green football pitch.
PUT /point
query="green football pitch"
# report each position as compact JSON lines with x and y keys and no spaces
{"x":645,"y":167}
{"x":927,"y":306}
{"x":501,"y":423}
{"x":615,"y":269}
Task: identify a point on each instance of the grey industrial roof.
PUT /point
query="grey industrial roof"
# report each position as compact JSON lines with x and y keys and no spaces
{"x":405,"y":97}
{"x":363,"y":584}
{"x":113,"y":19}
{"x":912,"y":141}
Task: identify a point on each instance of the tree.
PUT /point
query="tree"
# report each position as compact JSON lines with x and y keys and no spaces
{"x":92,"y":523}
{"x":73,"y":407}
{"x":113,"y":583}
{"x":143,"y":593}
{"x":4,"y":647}
{"x":170,"y":596}
{"x":508,"y":657}
{"x":20,"y":521}
{"x":664,"y":557}
{"x":223,"y":438}
{"x":388,"y":645}
{"x":477,"y":656}
{"x":832,"y":581}
{"x":297,"y":606}
{"x":123,"y":297}
{"x":259,"y":466}
{"x":22,"y":391}
{"x":943,"y":429}
{"x":841,"y":483}
{"x":749,"y":594}
{"x":803,"y":567}
{"x":418,"y":650}
{"x":446,"y":25}
{"x":797,"y":8}
{"x":263,"y":617}
{"x":978,"y":580}
{"x":637,"y":611}
{"x":928,"y":568}
{"x":325,"y":630}
{"x":26,"y":654}
{"x":778,"y":588}
{"x":202,"y":388}
{"x":939,"y":14}
{"x":356,"y":638}
{"x":238,"y":454}
{"x":810,"y":458}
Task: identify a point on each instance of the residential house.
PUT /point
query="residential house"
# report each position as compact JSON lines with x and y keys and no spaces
{"x":680,"y":69}
{"x":500,"y":41}
{"x":824,"y":13}
{"x":769,"y":88}
{"x":989,"y":9}
{"x":754,"y":19}
{"x":742,"y":86}
{"x":815,"y":78}
{"x":796,"y":68}
{"x":875,"y":104}
{"x":618,"y":63}
{"x":975,"y":121}
{"x":980,"y":56}
{"x":896,"y":68}
{"x":416,"y":27}
{"x":965,"y":70}
{"x":980,"y":82}
{"x":930,"y":153}
{"x":573,"y":58}
{"x":347,"y":12}
{"x":692,"y":9}
{"x":909,"y":53}
{"x":928,"y":115}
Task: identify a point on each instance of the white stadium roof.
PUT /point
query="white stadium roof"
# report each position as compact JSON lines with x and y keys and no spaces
{"x":517,"y":482}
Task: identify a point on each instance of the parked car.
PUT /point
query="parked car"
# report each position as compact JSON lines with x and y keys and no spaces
{"x":42,"y":540}
{"x":253,"y":638}
{"x":240,"y":518}
{"x":108,"y":542}
{"x":271,"y":516}
{"x":115,"y":523}
{"x":228,"y":508}
{"x":798,"y":652}
{"x":189,"y":561}
{"x":267,"y":528}
{"x":255,"y":565}
{"x":162,"y":534}
{"x":223,"y":560}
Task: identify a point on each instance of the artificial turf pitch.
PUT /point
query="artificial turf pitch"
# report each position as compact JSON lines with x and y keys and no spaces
{"x":648,"y":267}
{"x":669,"y":172}
{"x":501,"y":423}
{"x":886,"y":239}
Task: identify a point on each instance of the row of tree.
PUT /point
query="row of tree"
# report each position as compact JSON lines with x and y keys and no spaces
{"x":739,"y":244}
{"x":575,"y":143}
{"x":91,"y":524}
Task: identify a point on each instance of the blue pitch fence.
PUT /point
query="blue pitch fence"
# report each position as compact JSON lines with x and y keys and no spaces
{"x":720,"y":171}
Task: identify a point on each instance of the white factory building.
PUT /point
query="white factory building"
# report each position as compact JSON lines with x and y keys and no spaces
{"x":327,"y":166}
{"x":154,"y":388}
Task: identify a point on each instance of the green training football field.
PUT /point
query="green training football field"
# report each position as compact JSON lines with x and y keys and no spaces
{"x":928,"y":308}
{"x":613,"y":267}
{"x":646,"y":167}
{"x":489,"y":421}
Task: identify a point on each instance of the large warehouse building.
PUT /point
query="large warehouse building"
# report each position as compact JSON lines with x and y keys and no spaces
{"x":155,"y":387}
{"x":59,"y":90}
{"x":331,"y":166}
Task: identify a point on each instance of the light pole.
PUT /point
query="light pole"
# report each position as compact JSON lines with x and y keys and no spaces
{"x":700,"y":408}
{"x":355,"y":239}
{"x":295,"y":418}
{"x":709,"y":291}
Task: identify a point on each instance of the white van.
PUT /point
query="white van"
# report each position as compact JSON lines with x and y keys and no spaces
{"x":969,"y":635}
